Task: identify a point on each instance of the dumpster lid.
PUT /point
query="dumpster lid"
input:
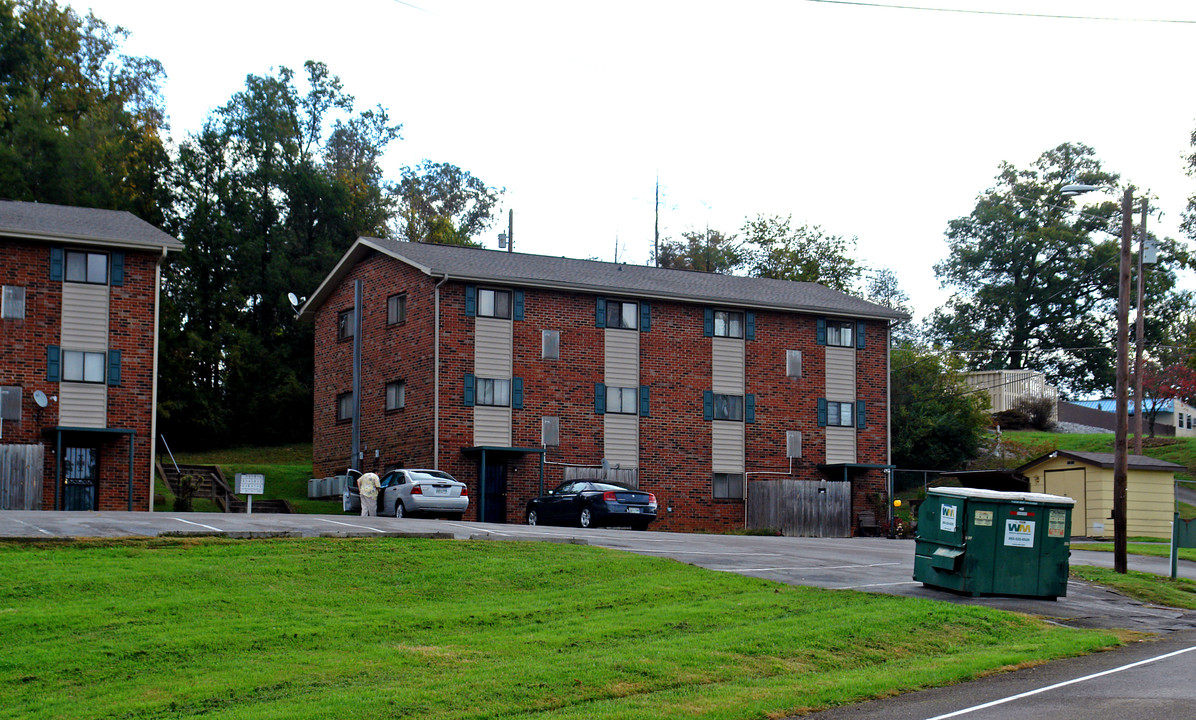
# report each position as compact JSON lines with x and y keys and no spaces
{"x":1010,"y":496}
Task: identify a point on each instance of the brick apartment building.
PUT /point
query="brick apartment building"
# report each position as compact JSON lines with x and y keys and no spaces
{"x":508,"y":369}
{"x":78,"y":357}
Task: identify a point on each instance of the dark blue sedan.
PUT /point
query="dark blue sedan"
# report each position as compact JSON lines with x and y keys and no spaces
{"x":585,"y":503}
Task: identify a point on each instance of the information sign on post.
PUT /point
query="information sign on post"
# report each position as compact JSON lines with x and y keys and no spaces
{"x":249,"y":484}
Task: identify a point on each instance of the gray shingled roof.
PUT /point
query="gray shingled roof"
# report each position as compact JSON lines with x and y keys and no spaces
{"x":42,"y":221}
{"x":1105,"y":460}
{"x":521,"y":269}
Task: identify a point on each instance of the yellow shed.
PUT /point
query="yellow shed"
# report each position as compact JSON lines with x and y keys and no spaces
{"x":1087,"y":478}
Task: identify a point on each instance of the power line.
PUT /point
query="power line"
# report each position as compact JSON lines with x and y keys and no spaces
{"x":962,"y":11}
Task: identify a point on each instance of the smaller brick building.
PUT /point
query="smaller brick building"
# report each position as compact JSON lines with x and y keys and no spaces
{"x":512,"y":371}
{"x":78,"y":357}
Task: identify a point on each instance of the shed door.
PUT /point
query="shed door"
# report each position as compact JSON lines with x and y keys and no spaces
{"x":1070,"y":483}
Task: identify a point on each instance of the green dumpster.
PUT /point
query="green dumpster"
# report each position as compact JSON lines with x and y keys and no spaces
{"x":983,"y":542}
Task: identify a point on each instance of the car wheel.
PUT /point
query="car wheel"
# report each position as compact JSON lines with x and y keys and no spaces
{"x":400,"y":511}
{"x":584,"y":518}
{"x":533,"y":517}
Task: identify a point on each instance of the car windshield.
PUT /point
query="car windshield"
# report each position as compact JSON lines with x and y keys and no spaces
{"x":430,"y":476}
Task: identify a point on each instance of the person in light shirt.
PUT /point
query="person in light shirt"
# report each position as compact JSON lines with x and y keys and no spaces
{"x":369,"y":486}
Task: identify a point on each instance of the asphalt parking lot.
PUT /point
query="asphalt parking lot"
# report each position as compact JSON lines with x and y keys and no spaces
{"x":864,"y":564}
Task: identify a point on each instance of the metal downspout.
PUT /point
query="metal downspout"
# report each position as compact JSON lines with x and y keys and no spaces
{"x":153,"y":445}
{"x":132,"y":444}
{"x":436,"y":378}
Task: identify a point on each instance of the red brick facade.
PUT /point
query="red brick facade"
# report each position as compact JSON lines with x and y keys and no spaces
{"x":675,"y":363}
{"x":23,"y":363}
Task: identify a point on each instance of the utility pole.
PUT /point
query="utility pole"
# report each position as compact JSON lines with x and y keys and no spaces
{"x":1120,"y":461}
{"x":1139,"y":325}
{"x":511,"y":230}
{"x":656,"y":242}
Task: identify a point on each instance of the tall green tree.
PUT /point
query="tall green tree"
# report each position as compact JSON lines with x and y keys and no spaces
{"x":884,"y":289}
{"x":441,"y":203}
{"x":805,"y":253}
{"x":272,"y":192}
{"x":938,"y":421}
{"x":80,"y":122}
{"x":1034,"y":276}
{"x":703,"y":250}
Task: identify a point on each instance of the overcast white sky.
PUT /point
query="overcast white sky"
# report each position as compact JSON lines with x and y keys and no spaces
{"x":873,"y":122}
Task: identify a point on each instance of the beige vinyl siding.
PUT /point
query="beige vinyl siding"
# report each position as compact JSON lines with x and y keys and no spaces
{"x":82,"y":405}
{"x":491,"y":425}
{"x":840,"y":445}
{"x":622,"y":354}
{"x":840,"y":374}
{"x":726,"y":446}
{"x":492,"y":346}
{"x":727,"y":365}
{"x":622,"y":440}
{"x":1150,"y":496}
{"x":1073,"y":484}
{"x":84,"y":316}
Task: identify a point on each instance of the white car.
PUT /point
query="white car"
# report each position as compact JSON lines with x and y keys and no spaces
{"x":413,"y":492}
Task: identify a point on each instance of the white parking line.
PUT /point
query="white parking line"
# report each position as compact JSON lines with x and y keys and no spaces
{"x":47,"y":532}
{"x":1059,"y":685}
{"x":199,"y":524}
{"x":478,"y":529}
{"x":363,"y":527}
{"x":807,"y":567}
{"x":699,"y":552}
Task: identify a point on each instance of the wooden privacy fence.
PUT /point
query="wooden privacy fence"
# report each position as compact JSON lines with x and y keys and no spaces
{"x":21,"y":477}
{"x":800,"y":508}
{"x":620,"y":476}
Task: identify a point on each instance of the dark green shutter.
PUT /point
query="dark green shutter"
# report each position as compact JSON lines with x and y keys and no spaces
{"x":469,"y":382}
{"x":116,"y":273}
{"x":644,"y":401}
{"x":821,"y":412}
{"x":517,"y":393}
{"x":114,"y":367}
{"x":749,"y":325}
{"x":53,"y":363}
{"x":822,"y":331}
{"x":600,"y":313}
{"x":645,"y":317}
{"x":471,"y":300}
{"x":859,"y":334}
{"x":749,"y":408}
{"x":518,"y":314}
{"x":859,"y":415}
{"x":600,"y":398}
{"x":708,"y":323}
{"x":708,"y":404}
{"x":56,"y":263}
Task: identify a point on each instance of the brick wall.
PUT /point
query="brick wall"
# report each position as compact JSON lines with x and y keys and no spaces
{"x":675,"y":362}
{"x":130,"y":405}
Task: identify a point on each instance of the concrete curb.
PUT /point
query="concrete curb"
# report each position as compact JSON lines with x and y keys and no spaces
{"x":507,"y":538}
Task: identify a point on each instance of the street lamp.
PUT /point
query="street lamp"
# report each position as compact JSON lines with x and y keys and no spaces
{"x":1120,"y":459}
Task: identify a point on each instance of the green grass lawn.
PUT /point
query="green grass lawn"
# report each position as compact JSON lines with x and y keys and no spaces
{"x":1154,"y":549}
{"x":287,"y":469}
{"x":407,"y":628}
{"x":1178,"y":593}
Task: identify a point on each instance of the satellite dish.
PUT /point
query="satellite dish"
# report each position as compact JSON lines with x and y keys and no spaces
{"x":39,"y":397}
{"x":294,"y":300}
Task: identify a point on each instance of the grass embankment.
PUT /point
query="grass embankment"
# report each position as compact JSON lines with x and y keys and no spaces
{"x":366,"y":628}
{"x":287,"y":469}
{"x":1145,"y":587}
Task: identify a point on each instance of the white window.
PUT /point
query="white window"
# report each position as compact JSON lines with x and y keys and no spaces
{"x":79,"y":366}
{"x":12,"y":304}
{"x":728,"y":407}
{"x":623,"y":315}
{"x":86,"y":267}
{"x":396,"y":395}
{"x":728,"y":324}
{"x":793,"y":363}
{"x":491,"y":391}
{"x":728,"y":485}
{"x":621,"y":400}
{"x":396,"y":309}
{"x":839,"y":333}
{"x":494,"y":303}
{"x":551,"y":344}
{"x":840,"y":414}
